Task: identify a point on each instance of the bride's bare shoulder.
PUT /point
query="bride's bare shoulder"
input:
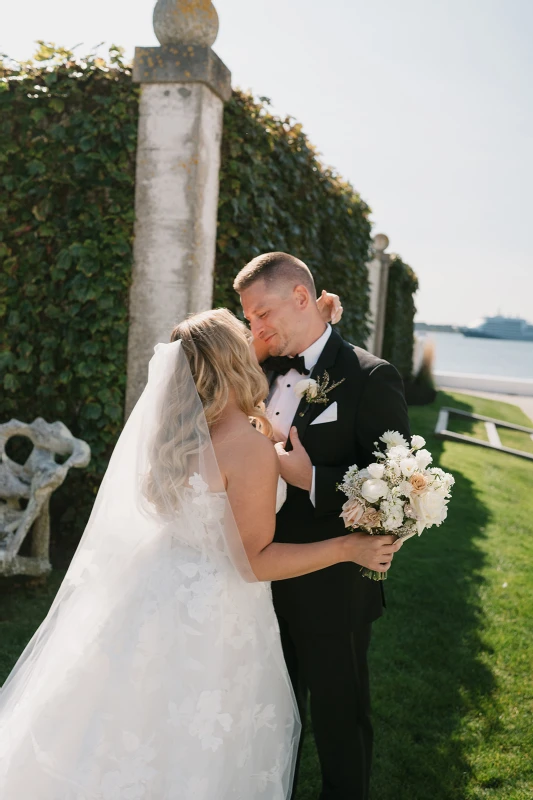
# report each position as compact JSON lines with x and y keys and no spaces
{"x":239,"y":447}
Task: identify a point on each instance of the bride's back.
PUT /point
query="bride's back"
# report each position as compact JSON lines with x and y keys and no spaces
{"x":238,"y":445}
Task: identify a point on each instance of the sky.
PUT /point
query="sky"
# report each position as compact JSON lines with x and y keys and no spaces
{"x":425,"y":107}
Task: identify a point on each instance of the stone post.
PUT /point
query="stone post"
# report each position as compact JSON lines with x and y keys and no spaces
{"x":183,"y":88}
{"x":378,"y":278}
{"x":40,"y":540}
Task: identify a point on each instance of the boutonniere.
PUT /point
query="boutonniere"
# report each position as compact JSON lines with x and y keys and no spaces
{"x":315,"y":391}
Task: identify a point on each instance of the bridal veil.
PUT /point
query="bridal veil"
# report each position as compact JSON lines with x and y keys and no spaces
{"x":158,"y":673}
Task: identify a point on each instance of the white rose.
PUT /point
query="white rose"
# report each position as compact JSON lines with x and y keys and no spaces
{"x":376,"y":470}
{"x":423,"y":458}
{"x":307,"y":385}
{"x":408,"y":466}
{"x":393,"y":439}
{"x":431,"y":508}
{"x":373,"y":488}
{"x":417,"y":442}
{"x":398,"y":451}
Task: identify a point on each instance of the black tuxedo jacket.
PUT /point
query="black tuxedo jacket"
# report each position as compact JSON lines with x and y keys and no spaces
{"x":370,"y":401}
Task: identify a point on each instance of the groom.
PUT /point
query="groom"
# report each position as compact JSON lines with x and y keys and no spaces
{"x":325,"y":617}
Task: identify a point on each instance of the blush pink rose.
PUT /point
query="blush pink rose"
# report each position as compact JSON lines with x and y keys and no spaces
{"x":352,"y":511}
{"x":371,"y":518}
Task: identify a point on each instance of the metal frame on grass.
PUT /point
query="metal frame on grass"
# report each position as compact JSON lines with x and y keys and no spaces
{"x":491,"y":425}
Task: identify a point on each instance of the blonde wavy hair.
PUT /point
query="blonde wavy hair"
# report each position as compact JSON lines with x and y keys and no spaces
{"x":217,"y":348}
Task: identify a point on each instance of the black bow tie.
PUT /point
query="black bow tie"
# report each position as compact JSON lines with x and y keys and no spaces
{"x":282,"y":364}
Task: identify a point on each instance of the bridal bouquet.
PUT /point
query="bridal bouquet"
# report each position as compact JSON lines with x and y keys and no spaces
{"x":400,"y":493}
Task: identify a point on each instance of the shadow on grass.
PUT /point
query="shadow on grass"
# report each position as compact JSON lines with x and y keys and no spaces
{"x":425,"y":659}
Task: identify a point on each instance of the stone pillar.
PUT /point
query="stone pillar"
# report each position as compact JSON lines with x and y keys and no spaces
{"x":183,"y":88}
{"x":378,"y":278}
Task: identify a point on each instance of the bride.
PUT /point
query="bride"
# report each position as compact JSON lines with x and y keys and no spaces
{"x":158,"y":673}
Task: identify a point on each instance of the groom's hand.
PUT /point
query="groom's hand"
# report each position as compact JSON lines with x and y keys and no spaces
{"x":295,"y":466}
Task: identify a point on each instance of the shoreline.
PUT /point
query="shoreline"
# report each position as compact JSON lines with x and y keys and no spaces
{"x":494,"y":384}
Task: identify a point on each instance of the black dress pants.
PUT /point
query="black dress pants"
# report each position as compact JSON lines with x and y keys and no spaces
{"x":333,"y":670}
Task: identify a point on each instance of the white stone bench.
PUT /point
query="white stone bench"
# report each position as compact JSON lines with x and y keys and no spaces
{"x":33,"y":482}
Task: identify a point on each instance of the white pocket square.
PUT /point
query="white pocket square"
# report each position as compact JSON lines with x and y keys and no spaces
{"x":328,"y":415}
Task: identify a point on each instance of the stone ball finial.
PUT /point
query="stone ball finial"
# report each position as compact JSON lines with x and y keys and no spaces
{"x":191,"y":22}
{"x":381,"y":242}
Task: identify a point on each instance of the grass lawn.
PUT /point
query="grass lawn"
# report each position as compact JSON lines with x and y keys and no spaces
{"x":452,"y":659}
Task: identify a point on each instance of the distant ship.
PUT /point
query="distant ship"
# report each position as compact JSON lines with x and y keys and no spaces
{"x":499,"y":327}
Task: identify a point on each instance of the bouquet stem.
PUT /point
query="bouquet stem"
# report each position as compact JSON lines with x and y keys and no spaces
{"x":373,"y":575}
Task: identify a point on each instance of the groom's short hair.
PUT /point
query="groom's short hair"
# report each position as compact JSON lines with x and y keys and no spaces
{"x":275,"y":268}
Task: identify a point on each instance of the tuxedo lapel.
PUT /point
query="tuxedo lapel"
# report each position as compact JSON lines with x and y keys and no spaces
{"x":271,"y":378}
{"x":307,"y":412}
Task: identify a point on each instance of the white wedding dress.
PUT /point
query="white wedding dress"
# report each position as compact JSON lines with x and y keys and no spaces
{"x":158,"y":673}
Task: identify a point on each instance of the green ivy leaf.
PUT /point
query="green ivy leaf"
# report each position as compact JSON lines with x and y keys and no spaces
{"x":93,"y":411}
{"x":24,"y":364}
{"x":47,"y":367}
{"x":37,"y":114}
{"x":11,"y":382}
{"x":57,"y":104}
{"x":36,"y":168}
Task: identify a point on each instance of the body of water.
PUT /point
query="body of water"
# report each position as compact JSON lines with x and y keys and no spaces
{"x":457,"y":353}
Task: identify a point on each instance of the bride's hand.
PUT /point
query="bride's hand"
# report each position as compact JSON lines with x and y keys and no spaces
{"x":330,"y":307}
{"x":373,"y":552}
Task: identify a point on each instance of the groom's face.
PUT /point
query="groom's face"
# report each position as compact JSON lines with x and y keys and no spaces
{"x":274,"y":314}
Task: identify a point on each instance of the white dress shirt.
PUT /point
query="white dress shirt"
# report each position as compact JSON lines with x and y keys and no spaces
{"x":284,"y":402}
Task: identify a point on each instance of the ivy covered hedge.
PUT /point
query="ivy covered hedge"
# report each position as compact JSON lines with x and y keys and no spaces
{"x":68,"y":133}
{"x":398,"y":339}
